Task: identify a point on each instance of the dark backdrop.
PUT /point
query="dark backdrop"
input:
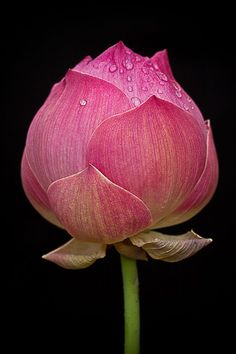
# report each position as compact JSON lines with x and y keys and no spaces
{"x":184,"y":305}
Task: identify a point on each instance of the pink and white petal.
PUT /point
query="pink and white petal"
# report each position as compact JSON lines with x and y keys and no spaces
{"x":163,"y":85}
{"x":83,"y":63}
{"x":76,"y":254}
{"x":35,"y":193}
{"x":158,"y":155}
{"x":130,"y":251}
{"x":161,"y":62}
{"x":170,"y":248}
{"x":202,"y":191}
{"x":140,"y":77}
{"x":58,"y":136}
{"x":120,"y":66}
{"x":94,"y":209}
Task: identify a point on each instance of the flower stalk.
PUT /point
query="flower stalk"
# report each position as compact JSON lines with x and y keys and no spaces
{"x":131,"y":305}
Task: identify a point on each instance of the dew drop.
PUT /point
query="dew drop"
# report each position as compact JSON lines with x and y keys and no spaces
{"x":136,"y":101}
{"x":144,"y":88}
{"x":176,"y":86}
{"x":160,"y":91}
{"x":130,"y":88}
{"x":178,"y":94}
{"x":186,"y":107}
{"x":145,"y":70}
{"x":189,"y":99}
{"x":83,"y":102}
{"x":128,"y":64}
{"x":113,"y":68}
{"x":162,"y":83}
{"x":162,"y":76}
{"x":192,"y":107}
{"x":121,"y":71}
{"x":156,"y":67}
{"x":129,"y":78}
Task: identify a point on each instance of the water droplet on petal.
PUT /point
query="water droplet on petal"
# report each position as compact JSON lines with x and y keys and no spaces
{"x":160,"y":91}
{"x":136,"y":101}
{"x":130,"y":88}
{"x":178,"y":94}
{"x":186,"y":107}
{"x":144,"y":88}
{"x":113,"y":68}
{"x":129,"y":78}
{"x":162,"y":83}
{"x":156,"y":67}
{"x":145,"y":70}
{"x":176,"y":86}
{"x":189,"y":99}
{"x":83,"y":102}
{"x":192,"y":107}
{"x":128,"y":64}
{"x":121,"y":71}
{"x":162,"y":76}
{"x":128,"y":51}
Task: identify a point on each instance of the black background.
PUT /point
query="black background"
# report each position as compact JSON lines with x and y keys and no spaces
{"x":184,"y":305}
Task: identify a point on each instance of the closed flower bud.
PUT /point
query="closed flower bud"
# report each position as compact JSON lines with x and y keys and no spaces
{"x":119,"y":149}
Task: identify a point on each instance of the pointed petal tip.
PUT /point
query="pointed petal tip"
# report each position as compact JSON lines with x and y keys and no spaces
{"x":170,"y":248}
{"x":76,"y":254}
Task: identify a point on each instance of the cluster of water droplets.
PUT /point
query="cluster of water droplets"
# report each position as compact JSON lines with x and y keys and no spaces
{"x":126,"y":67}
{"x":150,"y":73}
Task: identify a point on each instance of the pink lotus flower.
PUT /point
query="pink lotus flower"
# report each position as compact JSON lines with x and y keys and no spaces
{"x":119,"y":149}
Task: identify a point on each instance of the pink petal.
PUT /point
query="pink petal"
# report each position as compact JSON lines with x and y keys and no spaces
{"x":202,"y":191}
{"x":120,"y":66}
{"x":156,"y":151}
{"x":161,"y":61}
{"x":170,"y":248}
{"x":35,"y":193}
{"x":59,"y":134}
{"x":83,"y":63}
{"x":94,"y":209}
{"x":161,"y":83}
{"x":140,"y":77}
{"x":76,"y":254}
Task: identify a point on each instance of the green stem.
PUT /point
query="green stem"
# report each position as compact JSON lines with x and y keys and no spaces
{"x":131,"y":305}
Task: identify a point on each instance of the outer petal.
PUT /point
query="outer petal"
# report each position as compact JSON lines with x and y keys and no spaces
{"x":76,"y":254}
{"x":140,"y":77}
{"x":35,"y":193}
{"x":202,"y":191}
{"x":158,"y":155}
{"x":83,"y":63}
{"x":161,"y":61}
{"x":59,"y":134}
{"x":94,"y":209}
{"x":170,"y":248}
{"x":161,"y":83}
